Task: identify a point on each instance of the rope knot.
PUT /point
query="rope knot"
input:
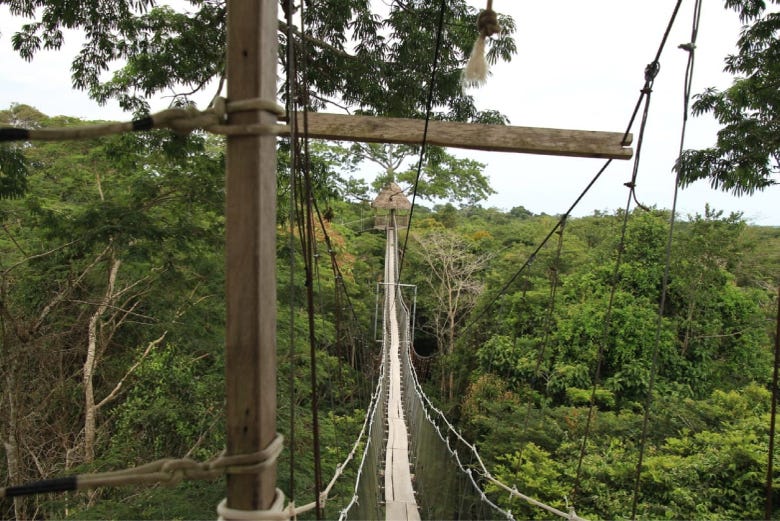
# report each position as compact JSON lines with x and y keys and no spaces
{"x":651,"y":71}
{"x":690,"y":47}
{"x":487,"y":23}
{"x":219,"y":108}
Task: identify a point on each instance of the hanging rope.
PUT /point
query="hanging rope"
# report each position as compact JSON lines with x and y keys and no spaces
{"x":554,"y":282}
{"x":292,"y":117}
{"x":428,"y":109}
{"x":690,"y":47}
{"x":476,"y":69}
{"x":309,"y":259}
{"x":179,"y":120}
{"x":650,"y":73}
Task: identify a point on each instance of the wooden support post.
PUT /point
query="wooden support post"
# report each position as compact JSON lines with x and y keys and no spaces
{"x":497,"y":138}
{"x":251,"y":252}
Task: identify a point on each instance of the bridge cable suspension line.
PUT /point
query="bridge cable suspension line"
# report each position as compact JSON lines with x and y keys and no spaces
{"x":651,"y":72}
{"x":691,"y":48}
{"x":548,"y":320}
{"x":292,"y":116}
{"x":423,"y":146}
{"x":653,"y":66}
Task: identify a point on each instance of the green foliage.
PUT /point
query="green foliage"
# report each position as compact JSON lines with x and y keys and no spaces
{"x":537,"y":474}
{"x":187,"y":500}
{"x":528,"y":384}
{"x":174,"y":408}
{"x":13,"y":173}
{"x":155,"y":203}
{"x":745,"y":157}
{"x":353,"y":55}
{"x":524,"y":377}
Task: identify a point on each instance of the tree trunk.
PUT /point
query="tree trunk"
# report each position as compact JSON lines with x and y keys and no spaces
{"x":688,"y":327}
{"x":90,"y":408}
{"x":11,"y":446}
{"x":451,"y":350}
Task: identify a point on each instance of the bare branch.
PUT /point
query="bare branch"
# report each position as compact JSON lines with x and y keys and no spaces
{"x":116,"y":308}
{"x":59,"y":297}
{"x":205,"y":433}
{"x":37,"y":256}
{"x":13,"y":239}
{"x":118,"y":387}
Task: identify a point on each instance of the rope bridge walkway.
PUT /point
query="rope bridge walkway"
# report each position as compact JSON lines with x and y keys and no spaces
{"x":400,"y":502}
{"x":447,"y":476}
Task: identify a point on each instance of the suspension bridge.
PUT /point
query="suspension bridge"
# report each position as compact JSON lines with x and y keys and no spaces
{"x":413,"y":464}
{"x":430,"y":470}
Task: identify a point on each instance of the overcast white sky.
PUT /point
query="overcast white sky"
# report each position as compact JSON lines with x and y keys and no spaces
{"x":580,"y":65}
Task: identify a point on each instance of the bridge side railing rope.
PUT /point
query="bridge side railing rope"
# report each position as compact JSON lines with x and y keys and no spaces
{"x":365,"y":502}
{"x":365,"y":480}
{"x":434,"y":415}
{"x":418,"y":405}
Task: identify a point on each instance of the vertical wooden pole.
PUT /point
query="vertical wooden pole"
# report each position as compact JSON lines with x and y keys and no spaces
{"x":251,"y":252}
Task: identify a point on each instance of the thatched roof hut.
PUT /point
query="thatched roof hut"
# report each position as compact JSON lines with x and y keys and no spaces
{"x":392,"y":197}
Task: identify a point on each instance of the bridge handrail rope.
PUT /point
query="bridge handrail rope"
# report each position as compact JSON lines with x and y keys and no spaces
{"x":367,"y":426}
{"x":428,"y":406}
{"x":482,"y":470}
{"x":171,"y":471}
{"x":180,"y":120}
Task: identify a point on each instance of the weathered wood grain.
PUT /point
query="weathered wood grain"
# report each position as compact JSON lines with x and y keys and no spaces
{"x":250,"y":242}
{"x":499,"y":138}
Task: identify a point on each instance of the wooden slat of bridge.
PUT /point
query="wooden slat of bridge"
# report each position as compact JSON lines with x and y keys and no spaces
{"x":400,"y":502}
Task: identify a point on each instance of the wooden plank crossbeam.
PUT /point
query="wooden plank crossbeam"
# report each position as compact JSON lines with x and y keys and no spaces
{"x":498,"y":138}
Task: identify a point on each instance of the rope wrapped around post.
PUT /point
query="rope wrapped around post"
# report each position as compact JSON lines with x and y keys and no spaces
{"x":179,"y":120}
{"x":476,"y":69}
{"x":170,"y":472}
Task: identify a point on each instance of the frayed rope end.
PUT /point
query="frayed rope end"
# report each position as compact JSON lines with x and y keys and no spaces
{"x":475,"y":73}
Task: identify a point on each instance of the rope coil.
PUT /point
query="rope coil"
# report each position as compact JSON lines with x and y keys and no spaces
{"x":276,"y":512}
{"x":179,"y":120}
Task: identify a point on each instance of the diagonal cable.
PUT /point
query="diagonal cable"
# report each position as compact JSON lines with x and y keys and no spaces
{"x":428,"y":109}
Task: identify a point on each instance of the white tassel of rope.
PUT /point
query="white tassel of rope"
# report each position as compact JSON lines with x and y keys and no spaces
{"x":476,"y":69}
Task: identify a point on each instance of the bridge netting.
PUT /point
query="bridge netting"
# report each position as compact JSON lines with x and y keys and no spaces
{"x":448,"y":474}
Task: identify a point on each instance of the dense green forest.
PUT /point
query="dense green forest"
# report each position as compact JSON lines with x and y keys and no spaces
{"x":564,"y":366}
{"x":112,"y":302}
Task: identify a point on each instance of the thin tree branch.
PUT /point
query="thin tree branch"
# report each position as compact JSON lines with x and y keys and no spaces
{"x":59,"y":297}
{"x":118,"y":387}
{"x":316,"y":41}
{"x":13,"y":239}
{"x":36,"y":256}
{"x":115,"y":308}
